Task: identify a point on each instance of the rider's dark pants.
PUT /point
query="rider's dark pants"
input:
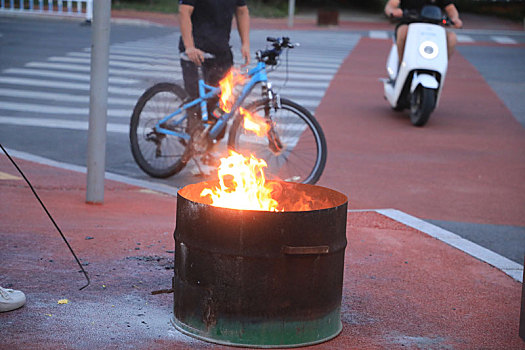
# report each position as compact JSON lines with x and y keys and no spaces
{"x":214,"y":70}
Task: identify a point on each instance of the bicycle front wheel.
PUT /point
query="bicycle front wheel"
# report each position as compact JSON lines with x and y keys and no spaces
{"x":294,"y":148}
{"x":157,"y":154}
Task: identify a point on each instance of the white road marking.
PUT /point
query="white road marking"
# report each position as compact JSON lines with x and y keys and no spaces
{"x":508,"y":266}
{"x":503,"y":39}
{"x":52,"y":109}
{"x":61,"y":97}
{"x":64,"y":75}
{"x":61,"y":124}
{"x":67,"y":85}
{"x":464,"y":38}
{"x":379,"y":34}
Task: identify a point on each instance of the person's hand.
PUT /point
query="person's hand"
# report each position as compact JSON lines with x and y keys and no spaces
{"x":245,"y":52}
{"x":458,"y":23}
{"x":195,"y":55}
{"x":396,"y":13}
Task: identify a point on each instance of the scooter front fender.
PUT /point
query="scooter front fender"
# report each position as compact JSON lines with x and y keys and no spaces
{"x":426,"y":80}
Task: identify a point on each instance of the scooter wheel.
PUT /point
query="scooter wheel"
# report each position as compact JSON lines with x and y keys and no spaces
{"x":422,"y":104}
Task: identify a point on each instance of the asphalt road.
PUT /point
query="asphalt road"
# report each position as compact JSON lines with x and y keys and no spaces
{"x":44,"y":78}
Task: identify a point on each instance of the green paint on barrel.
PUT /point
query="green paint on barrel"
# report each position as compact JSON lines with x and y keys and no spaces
{"x":265,"y":334}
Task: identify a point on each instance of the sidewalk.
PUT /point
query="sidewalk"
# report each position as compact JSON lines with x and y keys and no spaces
{"x":402,"y":288}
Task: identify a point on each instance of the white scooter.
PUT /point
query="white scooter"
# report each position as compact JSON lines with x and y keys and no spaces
{"x":417,"y":82}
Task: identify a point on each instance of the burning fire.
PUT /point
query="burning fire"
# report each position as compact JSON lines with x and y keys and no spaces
{"x":252,"y":122}
{"x":242,"y":185}
{"x":227,"y":85}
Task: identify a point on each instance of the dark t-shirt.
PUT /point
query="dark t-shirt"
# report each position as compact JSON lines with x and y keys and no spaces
{"x":418,"y":4}
{"x":212,"y":23}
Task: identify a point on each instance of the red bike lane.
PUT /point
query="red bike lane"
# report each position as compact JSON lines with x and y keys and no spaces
{"x":467,"y":164}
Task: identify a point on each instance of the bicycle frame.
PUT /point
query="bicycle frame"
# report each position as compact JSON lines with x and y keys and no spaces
{"x":256,"y":74}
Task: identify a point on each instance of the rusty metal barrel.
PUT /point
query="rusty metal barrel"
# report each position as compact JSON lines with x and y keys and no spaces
{"x":258,"y":278}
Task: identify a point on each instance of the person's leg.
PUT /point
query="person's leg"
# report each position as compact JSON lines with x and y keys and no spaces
{"x":11,"y":299}
{"x":191,"y":85}
{"x":451,"y":43}
{"x":215,"y":70}
{"x":401,"y":37}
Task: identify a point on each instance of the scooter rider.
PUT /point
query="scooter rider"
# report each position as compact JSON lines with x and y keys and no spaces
{"x":394,"y":8}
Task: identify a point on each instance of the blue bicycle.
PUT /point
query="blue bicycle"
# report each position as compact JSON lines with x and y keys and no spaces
{"x":293,"y":146}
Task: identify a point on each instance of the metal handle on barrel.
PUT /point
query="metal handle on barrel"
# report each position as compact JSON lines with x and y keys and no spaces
{"x":316,"y":250}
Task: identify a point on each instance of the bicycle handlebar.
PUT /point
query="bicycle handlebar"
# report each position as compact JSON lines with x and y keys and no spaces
{"x":283,"y":42}
{"x":270,"y":56}
{"x":207,"y":56}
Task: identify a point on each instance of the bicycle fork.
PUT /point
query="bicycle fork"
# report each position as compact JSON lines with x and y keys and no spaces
{"x":273,"y":103}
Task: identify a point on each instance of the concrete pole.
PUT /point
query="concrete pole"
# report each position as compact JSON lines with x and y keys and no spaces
{"x":291,"y":12}
{"x":98,"y":101}
{"x":89,"y":11}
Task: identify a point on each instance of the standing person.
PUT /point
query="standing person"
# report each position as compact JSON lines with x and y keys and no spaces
{"x":205,"y":26}
{"x":394,"y":8}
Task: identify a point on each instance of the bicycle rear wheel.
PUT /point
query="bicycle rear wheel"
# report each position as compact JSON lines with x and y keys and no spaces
{"x":294,"y":149}
{"x":158,"y":155}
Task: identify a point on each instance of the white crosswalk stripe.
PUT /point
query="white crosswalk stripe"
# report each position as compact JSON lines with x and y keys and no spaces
{"x":65,"y":85}
{"x":379,"y":34}
{"x":503,"y":39}
{"x":80,"y":111}
{"x":63,"y":75}
{"x":63,"y":97}
{"x":464,"y":38}
{"x":60,"y":124}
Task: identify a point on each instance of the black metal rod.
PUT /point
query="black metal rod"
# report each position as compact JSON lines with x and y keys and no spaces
{"x":522,"y":312}
{"x":49,"y":215}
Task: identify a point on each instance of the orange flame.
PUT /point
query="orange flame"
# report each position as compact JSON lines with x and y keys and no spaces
{"x":242,"y":185}
{"x":254,"y":122}
{"x":227,"y":85}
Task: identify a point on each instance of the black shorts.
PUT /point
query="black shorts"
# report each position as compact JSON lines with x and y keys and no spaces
{"x":214,"y":70}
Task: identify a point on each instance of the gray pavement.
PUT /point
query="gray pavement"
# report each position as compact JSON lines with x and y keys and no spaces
{"x":504,"y":71}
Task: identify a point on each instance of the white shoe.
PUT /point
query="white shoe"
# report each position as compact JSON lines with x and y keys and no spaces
{"x":11,"y":299}
{"x":203,"y":170}
{"x":206,"y":166}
